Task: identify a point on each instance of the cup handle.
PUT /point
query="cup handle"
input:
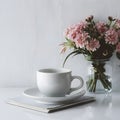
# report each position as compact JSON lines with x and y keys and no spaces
{"x":80,"y":85}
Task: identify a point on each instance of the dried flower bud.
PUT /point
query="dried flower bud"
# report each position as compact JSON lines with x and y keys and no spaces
{"x":90,"y":18}
{"x":110,"y":18}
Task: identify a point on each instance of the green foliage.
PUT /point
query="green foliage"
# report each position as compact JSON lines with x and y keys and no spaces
{"x":72,"y":53}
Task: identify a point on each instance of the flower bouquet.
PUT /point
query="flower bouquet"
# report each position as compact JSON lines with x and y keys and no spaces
{"x":97,"y":41}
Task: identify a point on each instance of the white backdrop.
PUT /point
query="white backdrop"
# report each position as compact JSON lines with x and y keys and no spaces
{"x":31,"y":31}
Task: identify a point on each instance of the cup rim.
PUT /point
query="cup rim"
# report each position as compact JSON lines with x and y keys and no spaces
{"x":54,"y":71}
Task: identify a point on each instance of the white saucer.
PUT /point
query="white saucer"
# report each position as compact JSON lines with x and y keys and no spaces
{"x":35,"y":94}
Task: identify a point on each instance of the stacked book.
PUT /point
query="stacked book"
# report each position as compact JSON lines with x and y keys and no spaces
{"x":29,"y":103}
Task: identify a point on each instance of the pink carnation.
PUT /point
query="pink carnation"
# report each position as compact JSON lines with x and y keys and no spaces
{"x":82,"y":25}
{"x":81,"y":39}
{"x":101,"y":27}
{"x":70,"y":33}
{"x":73,"y":31}
{"x":118,"y":47}
{"x":93,"y":45}
{"x":111,"y":37}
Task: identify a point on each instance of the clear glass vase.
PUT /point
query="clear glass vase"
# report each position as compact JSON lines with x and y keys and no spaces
{"x":99,"y":78}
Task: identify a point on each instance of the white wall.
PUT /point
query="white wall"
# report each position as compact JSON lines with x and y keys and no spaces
{"x":17,"y":42}
{"x":31,"y":31}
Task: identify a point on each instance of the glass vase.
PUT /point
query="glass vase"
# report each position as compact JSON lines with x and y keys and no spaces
{"x":99,"y":78}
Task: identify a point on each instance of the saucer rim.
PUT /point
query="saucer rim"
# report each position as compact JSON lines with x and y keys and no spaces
{"x":47,"y":99}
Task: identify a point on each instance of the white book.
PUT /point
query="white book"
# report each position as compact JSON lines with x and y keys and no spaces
{"x":32,"y":104}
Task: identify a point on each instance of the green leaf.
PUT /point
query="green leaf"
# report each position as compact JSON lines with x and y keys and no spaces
{"x":68,"y":39}
{"x":69,"y":56}
{"x":70,"y":43}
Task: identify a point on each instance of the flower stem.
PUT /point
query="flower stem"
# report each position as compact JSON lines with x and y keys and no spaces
{"x":99,"y":74}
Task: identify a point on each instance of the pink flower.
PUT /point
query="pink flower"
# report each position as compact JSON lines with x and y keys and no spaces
{"x":82,"y":25}
{"x":69,"y":33}
{"x":93,"y":45}
{"x":117,"y":23}
{"x":81,"y":39}
{"x":73,"y":31}
{"x":111,"y":37}
{"x":118,"y":47}
{"x":101,"y":27}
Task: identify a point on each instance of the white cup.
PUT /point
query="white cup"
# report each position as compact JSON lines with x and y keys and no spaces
{"x":56,"y":82}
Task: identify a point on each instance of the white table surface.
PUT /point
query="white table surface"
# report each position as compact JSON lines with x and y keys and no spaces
{"x":105,"y":108}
